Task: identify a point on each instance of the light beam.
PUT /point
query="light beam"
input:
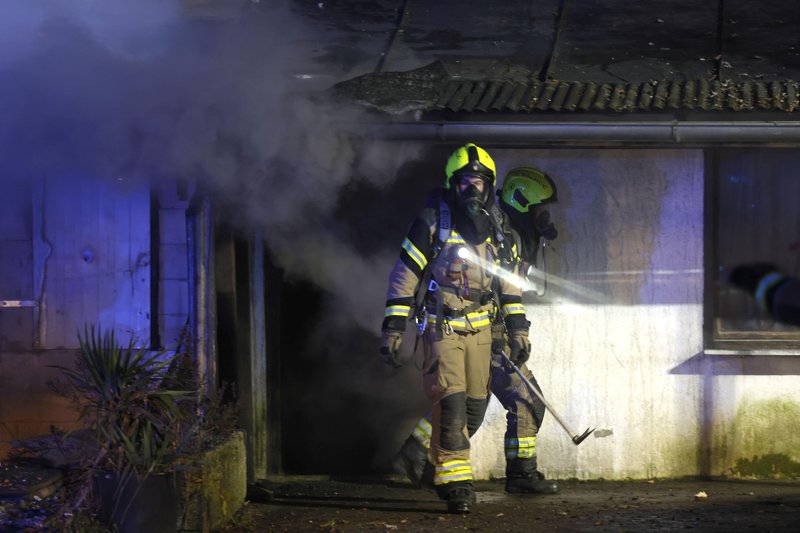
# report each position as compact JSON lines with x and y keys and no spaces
{"x":526,"y":284}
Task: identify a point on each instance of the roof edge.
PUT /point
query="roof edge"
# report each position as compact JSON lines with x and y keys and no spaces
{"x":689,"y":133}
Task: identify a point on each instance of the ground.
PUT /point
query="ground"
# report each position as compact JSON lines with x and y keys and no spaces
{"x":328,"y":505}
{"x":332,"y":505}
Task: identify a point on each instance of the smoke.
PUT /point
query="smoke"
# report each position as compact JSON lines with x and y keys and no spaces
{"x":125,"y":30}
{"x":144,"y":90}
{"x":131,"y":91}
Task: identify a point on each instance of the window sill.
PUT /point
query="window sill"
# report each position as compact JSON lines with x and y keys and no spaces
{"x":746,"y":352}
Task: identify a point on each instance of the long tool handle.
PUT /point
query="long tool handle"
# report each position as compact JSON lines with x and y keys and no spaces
{"x":577,"y":439}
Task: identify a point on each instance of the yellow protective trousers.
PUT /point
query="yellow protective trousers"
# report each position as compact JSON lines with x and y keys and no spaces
{"x":455,"y":377}
{"x":524,"y":411}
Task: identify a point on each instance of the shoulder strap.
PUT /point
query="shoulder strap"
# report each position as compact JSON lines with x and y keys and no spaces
{"x":505,"y":237}
{"x":440,"y":236}
{"x":445,"y":226}
{"x":496,"y":218}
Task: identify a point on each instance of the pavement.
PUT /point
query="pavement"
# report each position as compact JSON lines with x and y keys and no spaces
{"x":324,"y":504}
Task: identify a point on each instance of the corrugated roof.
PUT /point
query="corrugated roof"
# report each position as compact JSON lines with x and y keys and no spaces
{"x":653,"y":96}
{"x":567,"y":97}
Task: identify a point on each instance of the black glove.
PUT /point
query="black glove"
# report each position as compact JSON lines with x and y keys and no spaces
{"x":747,"y":276}
{"x":390,"y":347}
{"x":498,"y":346}
{"x":544,"y":227}
{"x":520,"y":347}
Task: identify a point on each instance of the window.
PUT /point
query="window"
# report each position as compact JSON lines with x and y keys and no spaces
{"x":753,"y":217}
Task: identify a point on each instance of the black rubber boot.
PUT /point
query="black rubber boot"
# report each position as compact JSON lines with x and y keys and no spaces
{"x":427,"y":476}
{"x":411,"y":460}
{"x":523,"y":478}
{"x":459,"y":496}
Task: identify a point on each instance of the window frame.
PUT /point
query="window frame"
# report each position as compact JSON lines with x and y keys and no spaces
{"x":731,"y":342}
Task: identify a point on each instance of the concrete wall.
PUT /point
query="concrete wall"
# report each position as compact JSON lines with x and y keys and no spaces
{"x":81,"y":248}
{"x":618,"y":337}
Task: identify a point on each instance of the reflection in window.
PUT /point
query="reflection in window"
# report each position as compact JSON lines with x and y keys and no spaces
{"x":756,"y":219}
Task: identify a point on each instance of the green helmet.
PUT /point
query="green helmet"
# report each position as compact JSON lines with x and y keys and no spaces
{"x":525,"y":187}
{"x":470,"y":159}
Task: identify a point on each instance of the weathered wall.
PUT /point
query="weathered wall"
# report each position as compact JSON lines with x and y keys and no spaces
{"x":81,"y":248}
{"x":94,"y":247}
{"x":755,"y":416}
{"x":618,"y":338}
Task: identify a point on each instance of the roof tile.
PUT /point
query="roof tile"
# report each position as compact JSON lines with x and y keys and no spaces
{"x":489,"y":96}
{"x":791,"y":96}
{"x":603,"y":97}
{"x":504,"y":95}
{"x":516,"y":100}
{"x":546,"y":95}
{"x":646,"y":96}
{"x":589,"y":94}
{"x":532,"y":96}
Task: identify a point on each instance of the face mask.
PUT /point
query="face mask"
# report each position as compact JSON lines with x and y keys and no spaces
{"x":472,"y":200}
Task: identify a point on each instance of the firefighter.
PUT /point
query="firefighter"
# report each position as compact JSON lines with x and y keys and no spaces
{"x":445,"y":279}
{"x":777,"y":293}
{"x":523,"y":197}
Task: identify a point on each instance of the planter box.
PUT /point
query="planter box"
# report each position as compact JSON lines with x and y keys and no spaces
{"x":149,"y":504}
{"x":212,"y":487}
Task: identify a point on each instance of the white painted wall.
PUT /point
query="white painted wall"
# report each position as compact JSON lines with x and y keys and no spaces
{"x":617,"y":344}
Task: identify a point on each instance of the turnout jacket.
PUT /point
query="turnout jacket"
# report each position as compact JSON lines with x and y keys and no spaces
{"x":463,"y":292}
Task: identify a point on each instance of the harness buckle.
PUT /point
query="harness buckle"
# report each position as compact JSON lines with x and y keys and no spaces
{"x":433,"y":286}
{"x":448,"y":329}
{"x":422,"y":324}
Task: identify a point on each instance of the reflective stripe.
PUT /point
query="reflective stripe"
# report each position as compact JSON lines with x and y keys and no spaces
{"x":452,"y":471}
{"x":766,"y":283}
{"x":415,"y":254}
{"x":422,"y":432}
{"x":397,"y":310}
{"x":476,"y":320}
{"x":523,"y":448}
{"x":455,"y":238}
{"x":513,"y":309}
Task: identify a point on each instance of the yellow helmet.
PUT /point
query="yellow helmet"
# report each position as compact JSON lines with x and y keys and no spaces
{"x":525,"y":187}
{"x":470,"y":159}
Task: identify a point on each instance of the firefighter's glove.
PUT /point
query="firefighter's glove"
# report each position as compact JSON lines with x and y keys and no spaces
{"x":390,"y":347}
{"x":544,"y":227}
{"x":498,"y":346}
{"x":520,"y":347}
